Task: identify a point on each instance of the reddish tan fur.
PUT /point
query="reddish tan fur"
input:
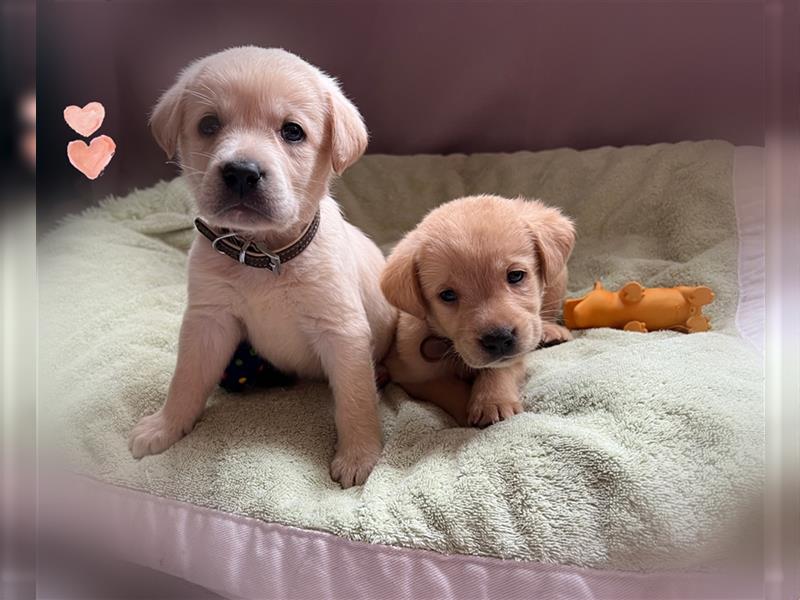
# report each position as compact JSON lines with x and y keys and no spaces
{"x":469,"y":245}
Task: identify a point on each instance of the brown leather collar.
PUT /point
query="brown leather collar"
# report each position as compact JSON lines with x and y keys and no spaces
{"x":248,"y":253}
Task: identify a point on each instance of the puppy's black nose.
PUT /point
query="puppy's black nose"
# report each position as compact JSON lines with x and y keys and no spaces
{"x":499,"y":342}
{"x":241,"y":176}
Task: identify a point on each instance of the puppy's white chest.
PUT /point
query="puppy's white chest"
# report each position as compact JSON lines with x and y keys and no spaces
{"x":273,"y":319}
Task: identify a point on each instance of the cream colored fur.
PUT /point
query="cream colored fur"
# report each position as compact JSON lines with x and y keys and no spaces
{"x":324,"y":315}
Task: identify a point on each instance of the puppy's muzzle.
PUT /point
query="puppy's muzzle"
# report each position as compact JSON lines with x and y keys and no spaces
{"x":499,"y":342}
{"x":241,"y":177}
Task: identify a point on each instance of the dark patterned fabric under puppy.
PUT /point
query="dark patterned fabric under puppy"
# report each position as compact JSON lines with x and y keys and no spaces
{"x":248,"y":369}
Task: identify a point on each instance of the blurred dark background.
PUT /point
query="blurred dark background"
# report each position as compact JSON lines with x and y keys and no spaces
{"x":429,"y":76}
{"x":17,"y":81}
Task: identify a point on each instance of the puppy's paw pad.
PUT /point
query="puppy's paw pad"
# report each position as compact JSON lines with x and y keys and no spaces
{"x":488,"y":412}
{"x":353,"y":467}
{"x":154,"y":434}
{"x":553,"y":334}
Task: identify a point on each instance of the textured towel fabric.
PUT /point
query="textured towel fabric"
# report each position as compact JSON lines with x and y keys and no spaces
{"x":635,"y":451}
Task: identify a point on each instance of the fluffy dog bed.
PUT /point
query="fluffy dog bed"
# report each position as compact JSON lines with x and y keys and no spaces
{"x":636,"y":451}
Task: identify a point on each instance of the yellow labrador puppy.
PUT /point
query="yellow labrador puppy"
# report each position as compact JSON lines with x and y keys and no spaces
{"x":479,"y":282}
{"x":259,"y":133}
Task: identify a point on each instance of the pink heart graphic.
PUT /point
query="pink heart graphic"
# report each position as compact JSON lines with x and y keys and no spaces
{"x":85,"y":120}
{"x":92,"y":159}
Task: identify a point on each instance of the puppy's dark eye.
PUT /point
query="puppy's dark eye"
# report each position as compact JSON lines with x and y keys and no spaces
{"x":209,"y":125}
{"x":292,"y":132}
{"x":515,"y":276}
{"x":448,"y":296}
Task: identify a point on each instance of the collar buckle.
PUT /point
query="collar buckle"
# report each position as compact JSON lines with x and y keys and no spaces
{"x":243,"y":251}
{"x":220,"y":238}
{"x":274,"y":264}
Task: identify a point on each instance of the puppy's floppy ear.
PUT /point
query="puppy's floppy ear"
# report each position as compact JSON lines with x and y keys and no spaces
{"x":553,"y":237}
{"x":167,"y":115}
{"x":349,"y":135}
{"x":400,"y":280}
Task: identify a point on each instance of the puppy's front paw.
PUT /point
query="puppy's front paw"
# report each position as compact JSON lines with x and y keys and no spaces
{"x":351,"y":466}
{"x":155,"y":433}
{"x":486,"y":410}
{"x":553,"y":334}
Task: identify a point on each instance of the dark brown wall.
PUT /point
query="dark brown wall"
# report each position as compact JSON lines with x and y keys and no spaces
{"x":429,"y":76}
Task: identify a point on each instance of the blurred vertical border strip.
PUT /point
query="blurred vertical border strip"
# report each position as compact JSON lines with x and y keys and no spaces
{"x":18,"y":301}
{"x":782,"y":177}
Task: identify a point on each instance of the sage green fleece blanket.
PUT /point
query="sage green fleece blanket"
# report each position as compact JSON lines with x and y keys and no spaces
{"x":635,"y":451}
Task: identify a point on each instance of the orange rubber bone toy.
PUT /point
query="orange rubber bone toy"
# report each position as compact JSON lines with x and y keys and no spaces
{"x":636,"y":308}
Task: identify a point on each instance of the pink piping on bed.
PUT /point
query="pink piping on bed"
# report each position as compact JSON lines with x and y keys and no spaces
{"x":241,"y":557}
